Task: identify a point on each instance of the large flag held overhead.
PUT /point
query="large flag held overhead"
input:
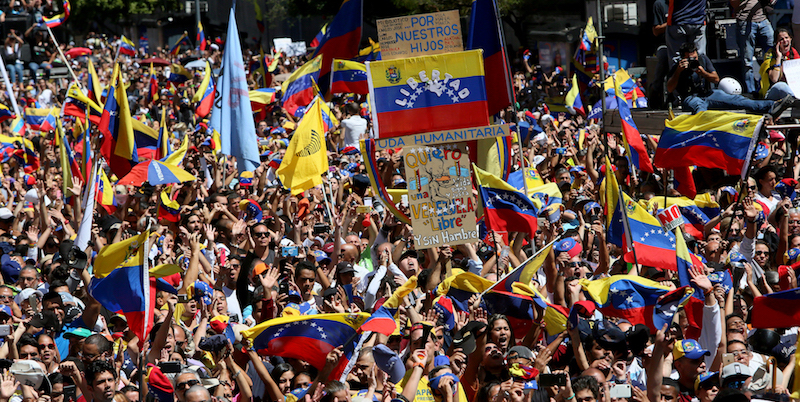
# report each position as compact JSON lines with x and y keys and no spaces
{"x":777,"y":310}
{"x":201,"y":37}
{"x":460,"y":286}
{"x":413,"y":95}
{"x":630,"y":225}
{"x":349,"y":77}
{"x":340,"y":40}
{"x":486,"y":33}
{"x":695,"y":211}
{"x":306,"y":157}
{"x":506,"y":209}
{"x":634,"y":298}
{"x":299,"y":89}
{"x":712,"y":139}
{"x":232,"y":116}
{"x":308,"y":337}
{"x":116,"y":124}
{"x":122,"y":282}
{"x":127,"y":47}
{"x":635,"y":146}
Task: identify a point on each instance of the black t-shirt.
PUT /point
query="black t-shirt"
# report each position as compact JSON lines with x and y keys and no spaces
{"x":660,"y":12}
{"x":690,"y":82}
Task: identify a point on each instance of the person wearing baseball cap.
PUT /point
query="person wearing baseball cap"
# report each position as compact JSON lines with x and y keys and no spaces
{"x":688,"y":359}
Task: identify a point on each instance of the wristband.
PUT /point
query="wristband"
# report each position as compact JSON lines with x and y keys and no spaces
{"x":571,"y":397}
{"x":420,"y":365}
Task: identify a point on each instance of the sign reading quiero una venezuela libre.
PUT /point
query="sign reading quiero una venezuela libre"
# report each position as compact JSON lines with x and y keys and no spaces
{"x":440,"y":201}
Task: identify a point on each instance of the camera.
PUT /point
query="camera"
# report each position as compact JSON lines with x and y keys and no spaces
{"x":694,"y":63}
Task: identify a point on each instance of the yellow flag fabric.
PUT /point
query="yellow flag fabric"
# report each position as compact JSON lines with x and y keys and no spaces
{"x":306,"y":157}
{"x":115,"y":255}
{"x":396,"y":299}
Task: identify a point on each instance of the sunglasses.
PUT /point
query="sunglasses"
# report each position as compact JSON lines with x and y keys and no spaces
{"x":187,"y":384}
{"x":761,"y":252}
{"x":260,"y":234}
{"x":47,"y":346}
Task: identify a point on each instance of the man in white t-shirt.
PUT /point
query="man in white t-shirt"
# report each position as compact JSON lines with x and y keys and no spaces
{"x":353,"y":126}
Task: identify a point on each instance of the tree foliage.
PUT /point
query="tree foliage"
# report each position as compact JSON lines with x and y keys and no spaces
{"x":87,"y":13}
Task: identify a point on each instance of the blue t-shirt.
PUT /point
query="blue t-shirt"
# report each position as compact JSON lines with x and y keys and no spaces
{"x":688,"y":12}
{"x":63,"y":343}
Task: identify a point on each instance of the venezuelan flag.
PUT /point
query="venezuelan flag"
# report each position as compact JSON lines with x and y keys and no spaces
{"x":58,"y":19}
{"x":259,"y":99}
{"x":93,"y":86}
{"x":506,"y":209}
{"x":403,"y":104}
{"x":369,"y":53}
{"x":684,"y":181}
{"x":204,"y":97}
{"x":175,"y":49}
{"x":588,"y":36}
{"x":381,"y":321}
{"x":555,"y":316}
{"x":626,"y":296}
{"x":711,"y":139}
{"x":321,"y":34}
{"x":686,"y":261}
{"x":49,"y":123}
{"x":633,"y":140}
{"x":485,"y":33}
{"x":298,"y":90}
{"x":116,"y":124}
{"x":122,"y":283}
{"x":201,"y":36}
{"x":494,"y":155}
{"x":104,"y":192}
{"x":178,"y":74}
{"x":152,"y":87}
{"x":76,"y":104}
{"x":6,"y":113}
{"x":460,"y":286}
{"x":308,"y":337}
{"x":35,"y":117}
{"x":349,"y":77}
{"x":444,"y":306}
{"x":74,"y":166}
{"x":340,"y":40}
{"x":168,"y":209}
{"x":533,"y":179}
{"x":526,"y":271}
{"x":127,"y":47}
{"x":775,"y":310}
{"x":163,"y":149}
{"x":573,"y":98}
{"x":695,"y":211}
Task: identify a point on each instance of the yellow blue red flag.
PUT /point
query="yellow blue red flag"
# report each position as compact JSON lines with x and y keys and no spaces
{"x":415,"y":95}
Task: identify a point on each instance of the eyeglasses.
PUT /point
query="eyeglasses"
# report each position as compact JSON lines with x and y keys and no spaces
{"x":47,"y":346}
{"x":795,"y":222}
{"x":6,"y":297}
{"x":187,"y":384}
{"x":759,"y":252}
{"x":751,"y":188}
{"x":260,"y":234}
{"x":27,"y":355}
{"x":737,"y":353}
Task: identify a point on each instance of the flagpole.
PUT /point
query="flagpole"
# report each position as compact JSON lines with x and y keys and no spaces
{"x":69,"y":66}
{"x":9,"y":88}
{"x":601,"y":64}
{"x":522,"y":265}
{"x":352,"y":362}
{"x":627,"y":225}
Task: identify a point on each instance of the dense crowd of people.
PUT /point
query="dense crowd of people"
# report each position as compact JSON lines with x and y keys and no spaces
{"x":245,"y":251}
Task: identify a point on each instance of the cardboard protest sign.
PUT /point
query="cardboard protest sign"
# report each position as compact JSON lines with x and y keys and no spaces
{"x":441,"y":204}
{"x":421,"y":34}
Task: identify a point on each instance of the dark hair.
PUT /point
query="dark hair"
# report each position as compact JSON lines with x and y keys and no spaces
{"x":669,"y":382}
{"x":103,"y":345}
{"x":761,"y":173}
{"x":98,"y":367}
{"x":497,"y":317}
{"x":484,"y":391}
{"x":687,"y":47}
{"x":301,"y":266}
{"x":783,"y":30}
{"x":586,"y":382}
{"x":55,"y":378}
{"x":27,"y":340}
{"x":280,"y":370}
